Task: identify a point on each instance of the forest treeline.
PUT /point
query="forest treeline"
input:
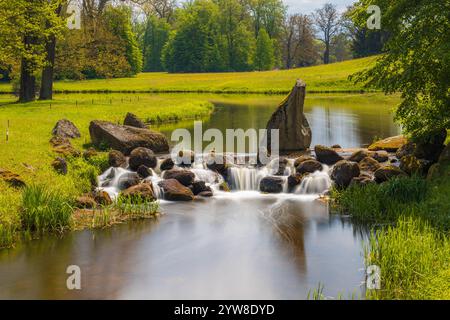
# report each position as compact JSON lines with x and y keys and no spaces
{"x":119,"y":39}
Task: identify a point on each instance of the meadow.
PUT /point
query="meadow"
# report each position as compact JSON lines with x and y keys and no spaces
{"x":322,"y":78}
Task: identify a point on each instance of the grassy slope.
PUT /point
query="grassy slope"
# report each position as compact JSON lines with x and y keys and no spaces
{"x":323,"y":78}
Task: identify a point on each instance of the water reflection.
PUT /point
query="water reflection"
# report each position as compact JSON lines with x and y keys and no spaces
{"x":348,"y":120}
{"x":241,"y":246}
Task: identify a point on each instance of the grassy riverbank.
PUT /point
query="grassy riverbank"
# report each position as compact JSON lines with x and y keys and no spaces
{"x":323,"y":78}
{"x":412,"y":245}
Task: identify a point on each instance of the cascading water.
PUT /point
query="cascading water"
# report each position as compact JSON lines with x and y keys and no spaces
{"x":239,"y":178}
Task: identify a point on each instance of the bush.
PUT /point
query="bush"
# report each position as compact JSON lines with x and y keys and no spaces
{"x":44,"y":209}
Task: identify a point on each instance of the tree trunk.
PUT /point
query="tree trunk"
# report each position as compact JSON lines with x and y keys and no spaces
{"x":47,"y":73}
{"x":46,"y":92}
{"x":27,"y":79}
{"x":326,"y":55}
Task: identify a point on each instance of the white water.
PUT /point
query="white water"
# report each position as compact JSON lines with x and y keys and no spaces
{"x":240,"y":178}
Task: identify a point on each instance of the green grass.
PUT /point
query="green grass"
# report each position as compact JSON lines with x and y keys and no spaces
{"x":44,"y":209}
{"x":322,"y":78}
{"x":414,"y":260}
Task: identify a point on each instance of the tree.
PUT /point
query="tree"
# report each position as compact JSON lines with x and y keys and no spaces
{"x":162,"y":9}
{"x":264,"y":57}
{"x":119,"y":21}
{"x":416,"y":62}
{"x":328,"y":24}
{"x":299,"y":48}
{"x":155,"y":37}
{"x":196,"y":45}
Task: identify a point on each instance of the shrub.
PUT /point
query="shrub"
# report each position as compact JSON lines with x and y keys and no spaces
{"x":44,"y":209}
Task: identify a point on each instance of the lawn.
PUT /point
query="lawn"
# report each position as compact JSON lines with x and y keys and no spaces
{"x":322,"y":78}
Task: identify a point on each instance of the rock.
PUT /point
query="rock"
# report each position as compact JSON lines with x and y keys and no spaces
{"x":411,"y":165}
{"x":60,"y":166}
{"x":89,"y":153}
{"x":66,"y":129}
{"x":361,"y":180}
{"x":206,"y":194}
{"x":391,"y":144}
{"x":199,"y":187}
{"x":126,"y":138}
{"x":309,"y":166}
{"x":12,"y":179}
{"x":294,"y":130}
{"x":380,"y":156}
{"x":102,"y":198}
{"x":86,"y":202}
{"x":133,"y":121}
{"x":142,"y":156}
{"x":369,"y":164}
{"x":143,"y":191}
{"x":57,"y":141}
{"x":128,"y":180}
{"x":166,"y":164}
{"x":386,"y":173}
{"x":67,"y":150}
{"x":282,"y":164}
{"x":217,"y":163}
{"x":301,"y":159}
{"x":185,"y":158}
{"x":294,"y":180}
{"x":357,"y":156}
{"x":144,"y":172}
{"x":326,"y":155}
{"x":175,"y":191}
{"x":185,"y":177}
{"x":116,"y":159}
{"x":271,"y":184}
{"x":336,"y":146}
{"x":343,"y":172}
{"x":430,"y":149}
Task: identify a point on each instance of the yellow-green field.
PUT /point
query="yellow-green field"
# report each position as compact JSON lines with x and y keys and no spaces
{"x":323,"y":78}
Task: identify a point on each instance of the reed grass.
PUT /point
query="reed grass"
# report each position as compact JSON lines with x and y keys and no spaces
{"x":44,"y":209}
{"x":414,"y":259}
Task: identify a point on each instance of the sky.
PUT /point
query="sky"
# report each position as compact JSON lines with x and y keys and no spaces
{"x":308,"y":6}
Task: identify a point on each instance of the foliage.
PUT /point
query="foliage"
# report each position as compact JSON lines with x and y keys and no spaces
{"x":264,"y":56}
{"x":156,"y":36}
{"x":420,"y":70}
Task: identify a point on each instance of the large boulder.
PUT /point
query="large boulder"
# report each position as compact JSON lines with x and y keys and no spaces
{"x":327,"y":155}
{"x":294,"y":180}
{"x":358,"y":155}
{"x":102,"y":198}
{"x":217,"y":163}
{"x":66,"y":129}
{"x":369,"y":164}
{"x":126,"y":138}
{"x":391,"y":144}
{"x":343,"y":172}
{"x":132,"y":120}
{"x":142,"y":156}
{"x":144,"y":171}
{"x":309,"y":166}
{"x":185,"y":177}
{"x":175,"y":191}
{"x":428,"y":149}
{"x":386,"y":173}
{"x":294,"y":130}
{"x":116,"y":159}
{"x":198,"y":187}
{"x":143,"y":191}
{"x":380,"y":156}
{"x":271,"y":184}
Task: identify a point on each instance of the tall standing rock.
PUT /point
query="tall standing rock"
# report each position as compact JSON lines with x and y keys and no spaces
{"x":295,"y":133}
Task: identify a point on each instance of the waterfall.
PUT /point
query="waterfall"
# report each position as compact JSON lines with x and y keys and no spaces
{"x":314,"y":183}
{"x":245,"y":179}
